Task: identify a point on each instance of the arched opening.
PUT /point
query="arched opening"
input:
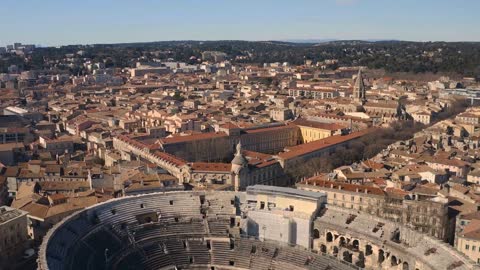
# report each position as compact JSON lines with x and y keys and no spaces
{"x":329,"y":236}
{"x":355,"y":244}
{"x":335,"y":251}
{"x":343,"y":242}
{"x":393,"y":261}
{"x":347,"y":256}
{"x":381,"y":256}
{"x":361,"y":260}
{"x":316,"y":234}
{"x":368,"y":250}
{"x":323,"y":249}
{"x":405,"y":266}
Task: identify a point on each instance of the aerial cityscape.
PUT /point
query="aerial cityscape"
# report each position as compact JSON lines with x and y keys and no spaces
{"x":336,"y":134}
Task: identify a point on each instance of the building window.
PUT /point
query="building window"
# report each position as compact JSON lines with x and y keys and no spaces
{"x":473,"y":248}
{"x":467,"y":247}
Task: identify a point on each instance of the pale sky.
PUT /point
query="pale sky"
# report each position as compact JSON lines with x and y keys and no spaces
{"x":59,"y":22}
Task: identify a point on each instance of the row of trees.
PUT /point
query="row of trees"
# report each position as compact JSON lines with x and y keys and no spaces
{"x":394,"y":56}
{"x":370,"y":145}
{"x":362,"y":149}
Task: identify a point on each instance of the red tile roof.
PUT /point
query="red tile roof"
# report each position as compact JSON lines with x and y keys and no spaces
{"x":310,"y":147}
{"x":319,"y":125}
{"x":259,"y":160}
{"x":270,"y":129}
{"x":194,"y":137}
{"x":343,"y":186}
{"x":229,"y":125}
{"x":170,"y":158}
{"x":215,"y":167}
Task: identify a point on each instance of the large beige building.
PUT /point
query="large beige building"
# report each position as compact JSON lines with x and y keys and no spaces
{"x":282,"y":214}
{"x":313,"y":131}
{"x":14,"y":234}
{"x":467,"y":235}
{"x":427,"y":214}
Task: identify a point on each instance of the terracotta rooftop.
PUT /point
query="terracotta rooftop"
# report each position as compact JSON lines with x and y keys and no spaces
{"x":372,"y":164}
{"x":306,"y":148}
{"x":270,"y":129}
{"x":63,"y":185}
{"x":215,"y":167}
{"x":343,"y":186}
{"x":259,"y":160}
{"x":229,"y":125}
{"x":319,"y":125}
{"x":194,"y":137}
{"x":472,"y":230}
{"x":170,"y":158}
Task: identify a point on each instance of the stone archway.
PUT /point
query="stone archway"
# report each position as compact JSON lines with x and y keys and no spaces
{"x":381,"y":256}
{"x":405,"y":266}
{"x":329,"y":236}
{"x":343,"y":242}
{"x":361,"y":260}
{"x":347,"y":256}
{"x":316,"y":234}
{"x":323,"y":248}
{"x":368,"y":250}
{"x":393,"y":261}
{"x":356,"y":245}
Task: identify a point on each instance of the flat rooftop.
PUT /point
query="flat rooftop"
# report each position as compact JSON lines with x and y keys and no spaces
{"x":291,"y":192}
{"x":9,"y":213}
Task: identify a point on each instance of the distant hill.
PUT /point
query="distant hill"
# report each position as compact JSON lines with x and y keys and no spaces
{"x":310,"y":41}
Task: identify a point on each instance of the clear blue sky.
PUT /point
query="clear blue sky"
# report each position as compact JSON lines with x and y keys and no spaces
{"x":57,"y":22}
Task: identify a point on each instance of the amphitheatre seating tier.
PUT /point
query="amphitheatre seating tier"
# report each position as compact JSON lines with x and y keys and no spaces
{"x":115,"y":235}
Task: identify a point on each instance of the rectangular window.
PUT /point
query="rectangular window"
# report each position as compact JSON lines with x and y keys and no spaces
{"x":473,"y":248}
{"x":467,"y":247}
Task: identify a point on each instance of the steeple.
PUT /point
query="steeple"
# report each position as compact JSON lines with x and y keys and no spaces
{"x":359,"y":88}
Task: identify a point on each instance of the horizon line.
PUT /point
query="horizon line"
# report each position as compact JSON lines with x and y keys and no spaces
{"x":287,"y":40}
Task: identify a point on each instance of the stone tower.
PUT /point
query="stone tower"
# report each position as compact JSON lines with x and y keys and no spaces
{"x":359,"y":94}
